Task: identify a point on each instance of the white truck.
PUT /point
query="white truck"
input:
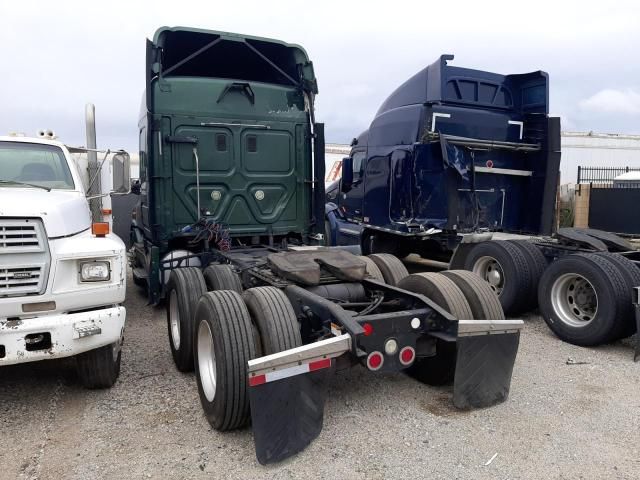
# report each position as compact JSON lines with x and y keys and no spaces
{"x":62,"y":276}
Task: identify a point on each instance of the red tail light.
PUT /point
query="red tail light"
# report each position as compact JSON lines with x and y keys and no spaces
{"x":368,"y":329}
{"x":375,"y":360}
{"x":407,"y":356}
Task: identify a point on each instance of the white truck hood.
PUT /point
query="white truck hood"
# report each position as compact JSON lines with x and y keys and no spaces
{"x":63,"y":212}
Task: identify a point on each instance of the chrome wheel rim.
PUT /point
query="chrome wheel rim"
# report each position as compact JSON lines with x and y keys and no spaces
{"x":206,"y":361}
{"x":491,"y":272}
{"x":574,"y":300}
{"x":174,"y":319}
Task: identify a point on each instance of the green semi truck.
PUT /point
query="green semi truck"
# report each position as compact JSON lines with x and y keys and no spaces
{"x":228,"y":231}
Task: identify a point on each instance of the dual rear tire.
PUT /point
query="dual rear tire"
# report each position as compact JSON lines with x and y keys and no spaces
{"x":465,"y":296}
{"x":231,"y":330}
{"x":586,"y":299}
{"x":512,"y":268}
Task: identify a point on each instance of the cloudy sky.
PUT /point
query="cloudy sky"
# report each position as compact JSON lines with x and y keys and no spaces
{"x":56,"y":56}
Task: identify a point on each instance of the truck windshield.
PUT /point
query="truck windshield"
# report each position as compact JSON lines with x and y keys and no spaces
{"x":35,"y":164}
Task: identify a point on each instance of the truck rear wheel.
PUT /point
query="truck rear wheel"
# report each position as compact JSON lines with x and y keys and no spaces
{"x":99,"y":368}
{"x":583,"y":299}
{"x":275,"y":319}
{"x":439,"y":369}
{"x":506,"y":269}
{"x":185,"y":287}
{"x":372,"y":269}
{"x":392,"y":269}
{"x":223,"y":345}
{"x":482,"y":299}
{"x":221,"y":277}
{"x":631,"y":275}
{"x":537,"y":264}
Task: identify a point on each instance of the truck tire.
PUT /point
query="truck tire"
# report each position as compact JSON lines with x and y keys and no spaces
{"x":583,"y":298}
{"x":138,"y":281}
{"x":372,"y":269}
{"x":537,"y":264}
{"x":441,"y":290}
{"x":631,"y":274}
{"x":439,"y":369}
{"x":184,"y":289}
{"x":483,"y":301}
{"x":99,"y":368}
{"x":223,"y":344}
{"x":392,"y":269}
{"x":221,"y":277}
{"x":275,"y":319}
{"x":506,"y":269}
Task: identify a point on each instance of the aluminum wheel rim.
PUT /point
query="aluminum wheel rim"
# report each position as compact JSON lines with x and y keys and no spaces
{"x":574,"y":300}
{"x":206,"y":361}
{"x":174,"y":319}
{"x":491,"y":272}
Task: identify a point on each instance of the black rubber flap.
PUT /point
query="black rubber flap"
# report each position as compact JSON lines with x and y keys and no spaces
{"x":287,"y":414}
{"x":484,"y":366}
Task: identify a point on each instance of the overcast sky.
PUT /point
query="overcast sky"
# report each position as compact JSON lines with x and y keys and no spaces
{"x":56,"y":56}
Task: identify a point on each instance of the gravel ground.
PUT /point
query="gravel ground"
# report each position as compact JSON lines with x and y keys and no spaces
{"x":561,"y":421}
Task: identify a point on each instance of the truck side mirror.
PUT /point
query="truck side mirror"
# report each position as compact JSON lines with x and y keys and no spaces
{"x":347,"y":174}
{"x":121,"y":168}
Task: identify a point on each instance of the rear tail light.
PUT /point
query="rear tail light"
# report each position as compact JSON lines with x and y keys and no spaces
{"x":407,"y":356}
{"x":375,"y":360}
{"x":368,"y":329}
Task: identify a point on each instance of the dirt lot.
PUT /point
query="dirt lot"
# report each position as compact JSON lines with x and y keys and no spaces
{"x":561,"y":421}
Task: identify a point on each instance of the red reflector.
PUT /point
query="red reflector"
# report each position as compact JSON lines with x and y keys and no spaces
{"x":368,"y":329}
{"x":375,"y":361}
{"x":257,"y":380}
{"x":320,"y":364}
{"x":489,"y":164}
{"x":407,"y":355}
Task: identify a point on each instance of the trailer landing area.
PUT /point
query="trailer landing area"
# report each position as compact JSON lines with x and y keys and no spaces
{"x":572,"y":413}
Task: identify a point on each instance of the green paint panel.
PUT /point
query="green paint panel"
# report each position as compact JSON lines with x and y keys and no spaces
{"x":253,"y":132}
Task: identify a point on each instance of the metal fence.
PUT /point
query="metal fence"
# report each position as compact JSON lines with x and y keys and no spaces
{"x":603,"y":176}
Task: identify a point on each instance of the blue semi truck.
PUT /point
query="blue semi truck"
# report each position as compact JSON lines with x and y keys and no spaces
{"x":451,"y":151}
{"x":462,"y":166}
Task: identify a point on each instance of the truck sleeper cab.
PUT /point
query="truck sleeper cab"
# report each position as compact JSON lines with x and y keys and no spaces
{"x":61,"y":286}
{"x":451,"y":151}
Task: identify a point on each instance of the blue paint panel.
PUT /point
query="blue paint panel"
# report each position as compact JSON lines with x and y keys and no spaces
{"x":411,"y":179}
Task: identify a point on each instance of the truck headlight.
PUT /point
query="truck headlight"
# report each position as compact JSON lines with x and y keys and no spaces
{"x":94,"y":271}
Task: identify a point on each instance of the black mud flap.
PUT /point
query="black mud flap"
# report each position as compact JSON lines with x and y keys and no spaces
{"x":287,"y":414}
{"x":484,"y":366}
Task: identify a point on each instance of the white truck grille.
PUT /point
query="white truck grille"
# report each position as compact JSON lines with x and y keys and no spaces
{"x":24,"y":257}
{"x":21,"y":280}
{"x":19,"y":236}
